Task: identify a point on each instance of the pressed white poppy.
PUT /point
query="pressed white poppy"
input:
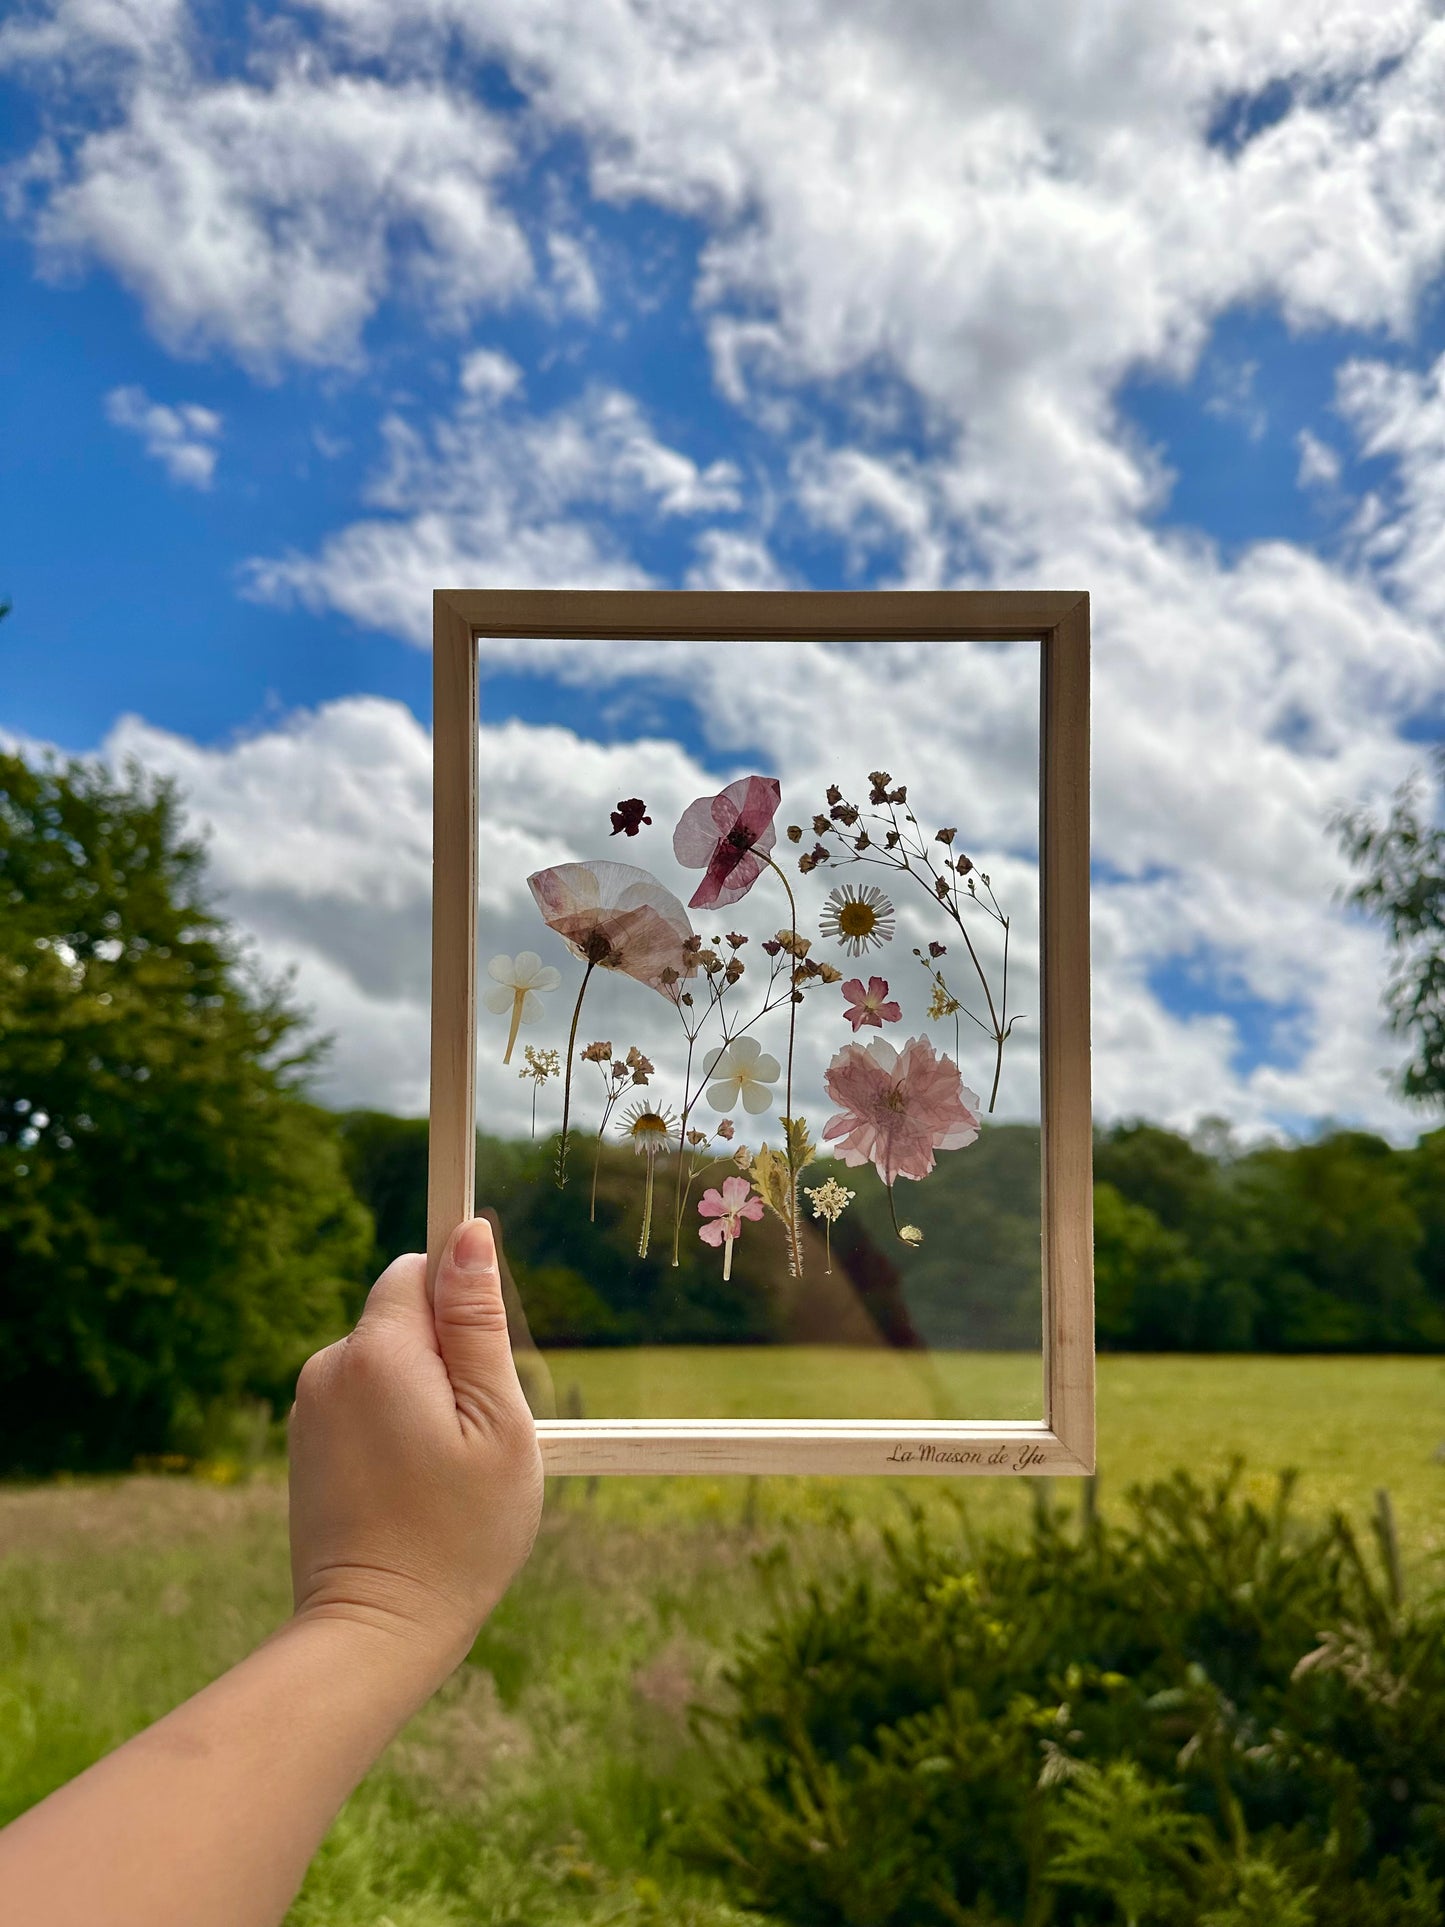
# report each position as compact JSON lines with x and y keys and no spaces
{"x":741,"y":1069}
{"x":519,"y":982}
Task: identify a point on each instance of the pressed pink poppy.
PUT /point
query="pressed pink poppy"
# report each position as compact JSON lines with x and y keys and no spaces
{"x":727,"y":1209}
{"x":615,"y":916}
{"x":729,"y":836}
{"x":870,"y":1006}
{"x":898,"y":1107}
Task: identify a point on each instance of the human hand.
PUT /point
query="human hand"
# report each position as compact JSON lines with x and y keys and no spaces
{"x":416,"y":1482}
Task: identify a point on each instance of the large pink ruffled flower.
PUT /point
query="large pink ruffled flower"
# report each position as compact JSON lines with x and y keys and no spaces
{"x":729,"y":836}
{"x":615,"y":916}
{"x":899,"y":1107}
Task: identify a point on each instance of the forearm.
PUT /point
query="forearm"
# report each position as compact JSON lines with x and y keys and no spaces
{"x":212,"y":1815}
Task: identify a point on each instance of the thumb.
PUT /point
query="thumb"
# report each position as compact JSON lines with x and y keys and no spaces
{"x":471,"y":1322}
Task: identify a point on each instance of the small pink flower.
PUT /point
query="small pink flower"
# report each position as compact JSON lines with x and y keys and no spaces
{"x":729,"y":836}
{"x":898,"y":1107}
{"x":727,"y":1209}
{"x":869,"y":1006}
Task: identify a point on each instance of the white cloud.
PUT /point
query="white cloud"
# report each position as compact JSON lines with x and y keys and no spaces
{"x":493,"y":494}
{"x":958,"y":234}
{"x":1319,"y":464}
{"x":1399,"y":413}
{"x":1213,"y":850}
{"x":182,"y":438}
{"x":270,"y":214}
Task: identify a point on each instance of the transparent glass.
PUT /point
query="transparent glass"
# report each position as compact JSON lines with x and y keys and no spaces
{"x":683,"y":942}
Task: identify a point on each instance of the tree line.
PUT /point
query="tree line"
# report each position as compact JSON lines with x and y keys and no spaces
{"x":180,"y":1226}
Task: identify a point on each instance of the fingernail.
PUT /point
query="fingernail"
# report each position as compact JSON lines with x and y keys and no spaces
{"x":473,"y":1250}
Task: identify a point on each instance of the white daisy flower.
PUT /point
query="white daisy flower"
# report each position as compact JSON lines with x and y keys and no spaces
{"x":741,"y":1069}
{"x":858,"y":918}
{"x":519,"y":982}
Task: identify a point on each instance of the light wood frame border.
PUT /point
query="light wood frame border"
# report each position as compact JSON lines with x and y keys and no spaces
{"x":1063,"y":1441}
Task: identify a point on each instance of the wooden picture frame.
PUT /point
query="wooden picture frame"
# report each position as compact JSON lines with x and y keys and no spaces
{"x":1062,"y":1442}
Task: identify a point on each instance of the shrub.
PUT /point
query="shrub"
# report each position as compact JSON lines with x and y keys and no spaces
{"x":1204,"y":1713}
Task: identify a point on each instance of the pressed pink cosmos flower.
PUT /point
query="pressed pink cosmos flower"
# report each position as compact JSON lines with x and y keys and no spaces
{"x":727,"y":1209}
{"x":869,"y":1006}
{"x":898,"y":1107}
{"x":615,"y":915}
{"x":729,"y":836}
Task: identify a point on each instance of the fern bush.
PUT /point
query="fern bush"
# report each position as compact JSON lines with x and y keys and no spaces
{"x":1205,"y":1716}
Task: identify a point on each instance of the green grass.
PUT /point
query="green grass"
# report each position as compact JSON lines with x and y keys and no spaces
{"x":798,"y":1381}
{"x":539,"y":1786}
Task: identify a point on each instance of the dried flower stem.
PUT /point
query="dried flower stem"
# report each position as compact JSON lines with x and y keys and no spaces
{"x":690,"y":1096}
{"x":567,"y":1079}
{"x":645,"y":1239}
{"x":794,"y":1237}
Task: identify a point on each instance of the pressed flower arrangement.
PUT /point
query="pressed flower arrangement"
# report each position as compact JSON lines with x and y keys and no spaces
{"x":781,"y":1034}
{"x":895,"y":1106}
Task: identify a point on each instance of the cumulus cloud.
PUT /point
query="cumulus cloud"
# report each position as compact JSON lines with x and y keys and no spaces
{"x":319,"y":838}
{"x":1399,"y":413}
{"x":271,"y":212}
{"x":182,"y":438}
{"x":492,"y":493}
{"x":928,"y":258}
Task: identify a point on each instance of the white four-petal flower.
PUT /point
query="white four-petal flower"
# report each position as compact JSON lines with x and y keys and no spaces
{"x":519,"y":980}
{"x":741,"y":1069}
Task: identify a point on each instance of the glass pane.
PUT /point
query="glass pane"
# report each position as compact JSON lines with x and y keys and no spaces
{"x":728,"y":884}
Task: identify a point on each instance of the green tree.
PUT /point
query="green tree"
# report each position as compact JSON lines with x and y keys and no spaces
{"x":175,"y":1224}
{"x":1403,"y":860}
{"x":1147,"y":1288}
{"x":1337,"y":1247}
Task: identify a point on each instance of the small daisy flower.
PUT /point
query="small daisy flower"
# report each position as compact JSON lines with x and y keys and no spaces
{"x":859,"y":917}
{"x":517,"y":986}
{"x":649,"y":1130}
{"x":741,"y":1069}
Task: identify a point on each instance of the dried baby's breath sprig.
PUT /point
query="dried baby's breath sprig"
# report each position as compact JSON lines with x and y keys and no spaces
{"x":539,"y":1065}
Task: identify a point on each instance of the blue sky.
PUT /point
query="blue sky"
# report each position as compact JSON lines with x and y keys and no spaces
{"x":307,"y":307}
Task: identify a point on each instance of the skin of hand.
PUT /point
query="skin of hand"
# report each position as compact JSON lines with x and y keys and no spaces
{"x":416,"y":1492}
{"x":416,"y":1483}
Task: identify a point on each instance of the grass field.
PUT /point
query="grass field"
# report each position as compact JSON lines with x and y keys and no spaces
{"x":541,"y":1785}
